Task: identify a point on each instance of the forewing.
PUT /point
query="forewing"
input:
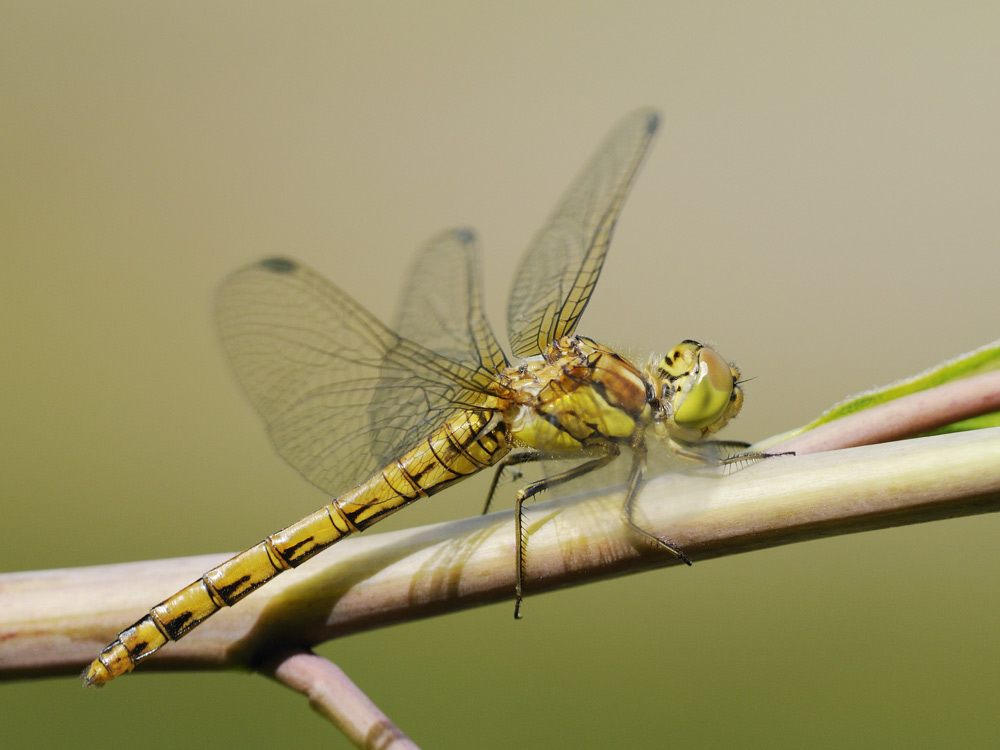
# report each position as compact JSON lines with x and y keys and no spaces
{"x":557,"y":273}
{"x":441,"y":308}
{"x":312,"y":361}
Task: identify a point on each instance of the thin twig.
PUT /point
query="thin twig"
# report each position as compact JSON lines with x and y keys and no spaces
{"x":333,"y":695}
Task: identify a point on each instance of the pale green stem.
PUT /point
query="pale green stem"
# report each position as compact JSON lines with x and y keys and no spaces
{"x":55,"y":621}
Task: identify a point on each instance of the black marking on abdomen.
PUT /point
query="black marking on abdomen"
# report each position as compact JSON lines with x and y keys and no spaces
{"x":414,"y":479}
{"x":176,"y":625}
{"x":288,"y":553}
{"x":488,"y":451}
{"x":460,"y":449}
{"x":442,"y":461}
{"x":411,"y":480}
{"x":226,"y":592}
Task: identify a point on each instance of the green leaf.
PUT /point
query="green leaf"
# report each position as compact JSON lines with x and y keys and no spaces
{"x":983,"y":359}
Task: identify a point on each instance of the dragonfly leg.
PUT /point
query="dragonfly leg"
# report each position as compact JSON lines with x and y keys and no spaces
{"x":631,"y":493}
{"x":732,"y":452}
{"x":533,"y":489}
{"x":511,"y":459}
{"x":721,"y":452}
{"x":752,"y":456}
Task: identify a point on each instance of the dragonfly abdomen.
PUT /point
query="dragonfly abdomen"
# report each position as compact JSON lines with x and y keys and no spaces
{"x":465,"y":444}
{"x":220,"y":587}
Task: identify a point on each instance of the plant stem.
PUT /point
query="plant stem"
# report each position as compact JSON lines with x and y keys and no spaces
{"x":54,"y":622}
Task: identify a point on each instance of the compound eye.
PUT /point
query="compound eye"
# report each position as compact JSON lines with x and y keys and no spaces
{"x":704,"y":394}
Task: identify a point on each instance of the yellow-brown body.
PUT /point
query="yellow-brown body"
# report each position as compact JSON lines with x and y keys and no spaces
{"x":405,"y":412}
{"x":576,"y":396}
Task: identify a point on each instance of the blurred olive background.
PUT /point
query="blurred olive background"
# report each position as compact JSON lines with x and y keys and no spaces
{"x":821,"y":204}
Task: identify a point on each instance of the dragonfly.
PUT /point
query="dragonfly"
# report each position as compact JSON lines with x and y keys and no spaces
{"x":380,"y":416}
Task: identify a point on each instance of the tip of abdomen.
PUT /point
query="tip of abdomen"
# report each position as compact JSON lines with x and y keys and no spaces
{"x":114,"y":660}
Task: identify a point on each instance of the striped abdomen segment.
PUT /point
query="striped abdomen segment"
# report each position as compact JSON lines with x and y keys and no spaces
{"x":465,"y":444}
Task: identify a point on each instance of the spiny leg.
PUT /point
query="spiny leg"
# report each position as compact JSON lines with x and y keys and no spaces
{"x":511,"y":459}
{"x":741,"y":460}
{"x":695,"y":452}
{"x":733,"y":453}
{"x":722,"y":452}
{"x":632,"y":492}
{"x":752,"y":456}
{"x":533,"y":489}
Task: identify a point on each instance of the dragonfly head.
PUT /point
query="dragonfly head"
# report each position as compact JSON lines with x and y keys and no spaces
{"x":697,"y":389}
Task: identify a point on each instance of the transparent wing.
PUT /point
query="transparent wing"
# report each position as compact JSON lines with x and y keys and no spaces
{"x":312,"y":362}
{"x":557,"y":274}
{"x":441,"y":308}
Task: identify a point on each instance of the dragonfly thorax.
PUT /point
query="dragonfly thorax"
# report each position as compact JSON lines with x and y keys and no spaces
{"x":576,"y":395}
{"x":697,"y":392}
